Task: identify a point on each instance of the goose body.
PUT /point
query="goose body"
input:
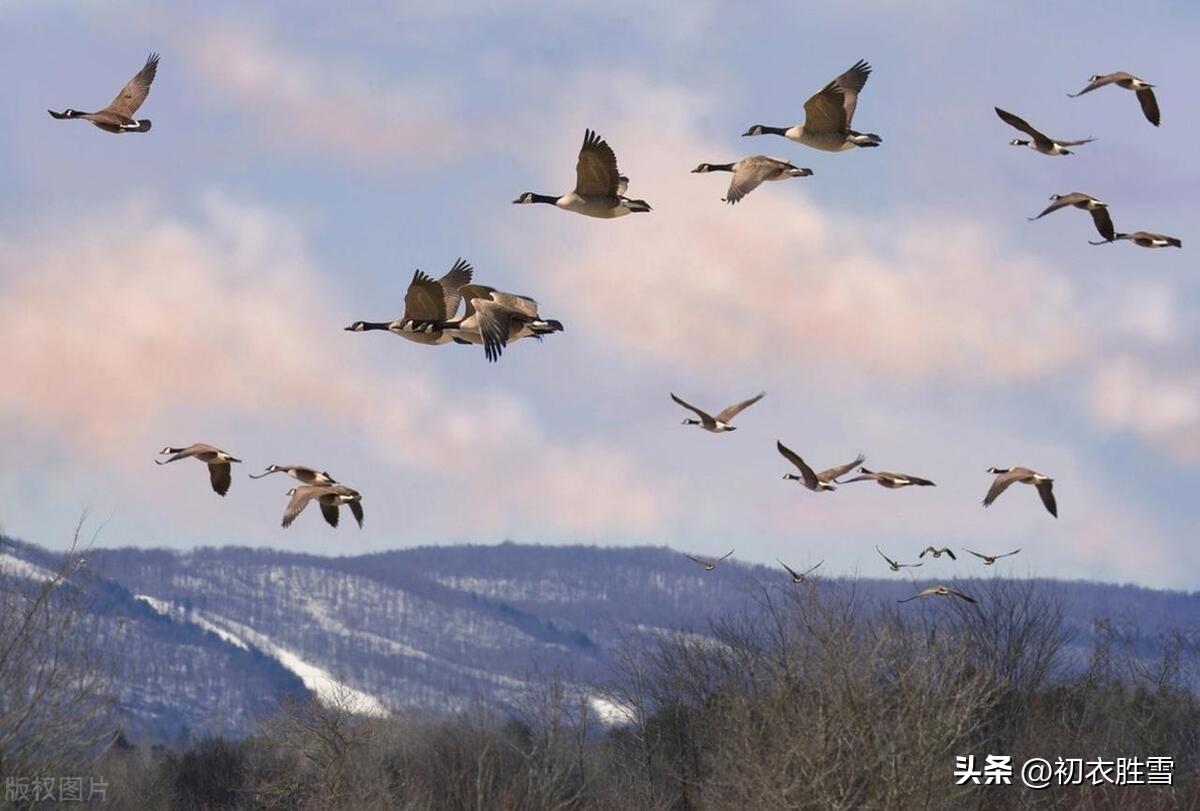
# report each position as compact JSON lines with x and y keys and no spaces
{"x":708,"y":563}
{"x":1023,"y":475}
{"x":828,"y":116}
{"x":895,"y":566}
{"x":118,"y":116}
{"x":937,"y":552}
{"x":599,"y":188}
{"x":1146,"y":239}
{"x":719,"y":424}
{"x":750,"y":173}
{"x":1097,"y":208}
{"x":219,"y":471}
{"x":427,"y":302}
{"x":817,"y":482}
{"x":495,"y":319}
{"x":301,"y":473}
{"x":988,"y":560}
{"x":329,"y":496}
{"x":1141,"y":88}
{"x":892,"y":481}
{"x":939,"y":591}
{"x":798,"y":577}
{"x":1038,"y":141}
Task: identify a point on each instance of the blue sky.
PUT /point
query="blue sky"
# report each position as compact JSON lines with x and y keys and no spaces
{"x":191,"y":284}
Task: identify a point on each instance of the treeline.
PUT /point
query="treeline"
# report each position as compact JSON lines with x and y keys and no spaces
{"x":817,"y":699}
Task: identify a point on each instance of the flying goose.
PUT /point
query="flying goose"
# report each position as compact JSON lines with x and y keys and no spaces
{"x":720,"y":423}
{"x":218,"y":462}
{"x":749,"y":173}
{"x":939,"y":591}
{"x":1097,"y":208}
{"x":118,"y":115}
{"x":301,"y":473}
{"x":893,"y":565}
{"x":329,"y":497}
{"x":1007,"y":475}
{"x":708,"y":563}
{"x":426,"y":302}
{"x":798,"y":577}
{"x":828,"y":115}
{"x":1144,"y":239}
{"x":1143,"y":89}
{"x":937,"y":553}
{"x":494,"y":319}
{"x":890,"y":480}
{"x":988,"y":560}
{"x":1040,"y":143}
{"x":817,"y":482}
{"x":599,"y":187}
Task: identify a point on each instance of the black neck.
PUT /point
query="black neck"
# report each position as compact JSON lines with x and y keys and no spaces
{"x":543,"y":198}
{"x":376,"y":325}
{"x":774,"y":130}
{"x":720,"y":167}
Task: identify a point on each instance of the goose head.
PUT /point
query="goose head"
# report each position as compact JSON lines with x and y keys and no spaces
{"x":797,"y":171}
{"x":67,"y":113}
{"x":169,"y":449}
{"x":357,"y":326}
{"x":291,"y":492}
{"x":998,"y":470}
{"x":524,"y":199}
{"x":702,"y":168}
{"x":1018,"y":142}
{"x":689,"y":421}
{"x":757,"y":129}
{"x":1094,"y":78}
{"x":791,"y":477}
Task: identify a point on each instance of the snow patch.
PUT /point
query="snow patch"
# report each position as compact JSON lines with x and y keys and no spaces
{"x":610,"y":712}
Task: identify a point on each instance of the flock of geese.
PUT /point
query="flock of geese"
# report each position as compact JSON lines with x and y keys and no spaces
{"x":453,"y":309}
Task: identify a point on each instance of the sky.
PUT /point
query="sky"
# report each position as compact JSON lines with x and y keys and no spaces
{"x":192,"y":284}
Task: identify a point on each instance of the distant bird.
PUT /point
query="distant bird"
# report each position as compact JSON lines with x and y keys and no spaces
{"x":494,"y":319}
{"x":893,"y":565}
{"x":1007,"y":476}
{"x":749,"y":173}
{"x":817,"y":482}
{"x":599,"y":187}
{"x":988,"y":560}
{"x":939,"y":591}
{"x":1141,"y":88}
{"x":798,"y":577}
{"x":1041,"y":143}
{"x":427,"y":302}
{"x":937,"y":553}
{"x":218,"y":462}
{"x":720,"y":423}
{"x":1095,"y":207}
{"x":307,"y":475}
{"x":889,"y":480}
{"x":118,"y":115}
{"x":1145,"y":239}
{"x":329,"y":497}
{"x":708,"y":563}
{"x":828,"y":115}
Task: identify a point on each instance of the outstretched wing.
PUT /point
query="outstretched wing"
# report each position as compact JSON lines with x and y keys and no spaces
{"x":357,"y":511}
{"x":695,"y":559}
{"x":1149,"y":105}
{"x":425,"y":299}
{"x":1076,"y":143}
{"x":1007,"y":554}
{"x":795,"y":575}
{"x":296,"y":506}
{"x":814,"y":568}
{"x":135,"y":90}
{"x":959,"y":594}
{"x":727,"y":554}
{"x":731,"y":412}
{"x":691,"y":408}
{"x":1104,"y":223}
{"x":810,"y":478}
{"x":220,"y":475}
{"x":1021,"y":124}
{"x":330,"y":511}
{"x":832,"y":109}
{"x":977,"y":554}
{"x":841,"y":470}
{"x":1001,"y":484}
{"x":750,"y":174}
{"x":1046,"y":491}
{"x":1100,"y":81}
{"x":596,"y":172}
{"x":460,"y":274}
{"x":1063,"y":201}
{"x":494,"y":321}
{"x":885,"y":557}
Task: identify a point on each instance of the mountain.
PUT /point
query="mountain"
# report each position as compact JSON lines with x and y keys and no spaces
{"x":214,"y":638}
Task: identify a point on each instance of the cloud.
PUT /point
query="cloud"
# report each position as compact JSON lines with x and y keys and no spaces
{"x":1161,"y":407}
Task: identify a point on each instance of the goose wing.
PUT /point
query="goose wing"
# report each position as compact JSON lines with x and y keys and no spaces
{"x":958,"y":594}
{"x":977,"y":554}
{"x":731,"y":412}
{"x":1099,"y":82}
{"x":356,"y":509}
{"x":885,"y":557}
{"x":470,"y":293}
{"x":727,"y":554}
{"x":494,"y":321}
{"x":1046,"y":491}
{"x":814,"y":568}
{"x":460,"y":274}
{"x":1149,"y":105}
{"x":522,"y":304}
{"x":135,"y":90}
{"x":832,"y":109}
{"x":917,"y":480}
{"x":1075,"y":143}
{"x":220,"y":475}
{"x":1008,"y":554}
{"x":1104,"y":223}
{"x":810,"y":478}
{"x":1021,"y":124}
{"x":329,"y":509}
{"x":922,"y":593}
{"x":702,"y":415}
{"x":298,"y":502}
{"x":1002,"y":482}
{"x":695,"y":559}
{"x":425,"y":299}
{"x":841,"y":470}
{"x":596,"y":172}
{"x":795,"y":575}
{"x":749,"y":175}
{"x":1063,"y":201}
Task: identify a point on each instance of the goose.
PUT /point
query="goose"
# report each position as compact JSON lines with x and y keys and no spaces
{"x":828,"y":115}
{"x":301,"y":473}
{"x":1097,"y":208}
{"x":426,"y":302}
{"x":494,"y":319}
{"x":1040,"y":143}
{"x":890,"y":480}
{"x":817,"y":482}
{"x":798,"y":577}
{"x":939,"y":591}
{"x":1007,"y":475}
{"x":329,"y":496}
{"x":599,"y":187}
{"x":937,"y":553}
{"x":708,"y":563}
{"x":749,"y":173}
{"x":1144,"y":239}
{"x":218,"y":462}
{"x":893,"y":565}
{"x":720,"y":423}
{"x":988,"y":560}
{"x":118,"y":115}
{"x":1141,"y":88}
